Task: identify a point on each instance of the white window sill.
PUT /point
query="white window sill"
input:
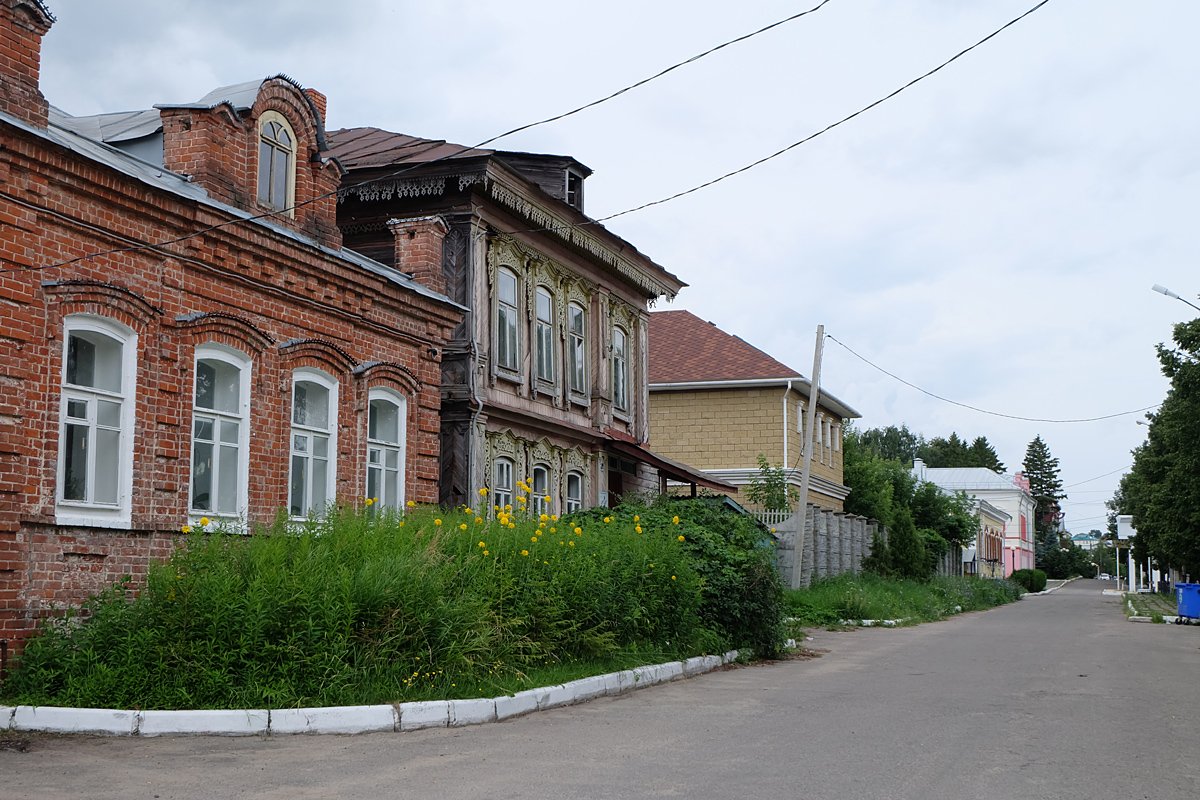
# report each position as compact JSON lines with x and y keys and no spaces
{"x":92,"y":518}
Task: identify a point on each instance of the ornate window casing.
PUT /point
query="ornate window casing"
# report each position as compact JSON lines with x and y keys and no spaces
{"x":836,"y":436}
{"x":543,"y":334}
{"x":96,"y":428}
{"x":313,"y":464}
{"x":276,"y":162}
{"x":502,"y":482}
{"x":577,"y":351}
{"x":387,"y":434}
{"x":220,"y":433}
{"x":573,"y":492}
{"x":541,"y":490}
{"x":507,"y":346}
{"x":620,"y":370}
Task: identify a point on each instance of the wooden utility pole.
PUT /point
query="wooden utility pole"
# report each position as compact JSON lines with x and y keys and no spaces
{"x":814,"y":394}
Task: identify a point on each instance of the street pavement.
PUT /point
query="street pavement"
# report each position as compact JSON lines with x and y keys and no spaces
{"x":1057,"y":696}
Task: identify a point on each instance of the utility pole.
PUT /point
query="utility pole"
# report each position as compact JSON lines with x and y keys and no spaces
{"x":814,"y":394}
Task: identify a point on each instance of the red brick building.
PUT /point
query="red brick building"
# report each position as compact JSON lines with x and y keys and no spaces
{"x":183,"y":336}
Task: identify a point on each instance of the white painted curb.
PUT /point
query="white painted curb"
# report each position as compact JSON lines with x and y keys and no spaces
{"x":350,"y":719}
{"x":335,"y":719}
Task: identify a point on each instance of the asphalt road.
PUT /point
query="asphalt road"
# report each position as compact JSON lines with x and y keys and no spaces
{"x":1054,"y":697}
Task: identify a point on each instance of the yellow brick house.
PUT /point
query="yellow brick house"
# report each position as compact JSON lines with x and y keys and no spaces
{"x":717,"y":402}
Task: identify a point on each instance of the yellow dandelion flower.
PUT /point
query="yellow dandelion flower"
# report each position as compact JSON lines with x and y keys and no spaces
{"x":571,"y":543}
{"x":546,"y":498}
{"x":479,"y":520}
{"x":544,"y":517}
{"x":521,"y":499}
{"x":508,"y":506}
{"x":533,"y":539}
{"x":672,"y":577}
{"x":524,"y":552}
{"x":462,"y":527}
{"x":607,"y":520}
{"x":553,"y":529}
{"x":186,"y":529}
{"x":637,"y":518}
{"x":638,"y":528}
{"x":481,"y":544}
{"x":411,"y":504}
{"x":579,"y":531}
{"x":772,"y":530}
{"x":512,"y":525}
{"x":204,"y":522}
{"x":486,"y":553}
{"x":483,"y":492}
{"x":679,"y":538}
{"x":554,"y":517}
{"x":675,"y":520}
{"x":370,"y":501}
{"x":437,"y":522}
{"x":401,"y":523}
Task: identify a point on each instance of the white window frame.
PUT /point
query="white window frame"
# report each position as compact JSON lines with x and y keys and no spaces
{"x":620,"y":370}
{"x":379,"y":449}
{"x":577,"y":360}
{"x":243,"y":363}
{"x":286,"y":204}
{"x":508,"y":330}
{"x":541,"y":489}
{"x":543,"y":335}
{"x":503,"y":470}
{"x":573,"y":502}
{"x":836,"y":435}
{"x":89,"y":512}
{"x":310,"y":433}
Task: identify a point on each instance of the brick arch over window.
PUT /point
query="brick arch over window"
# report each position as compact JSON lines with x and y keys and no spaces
{"x":103,"y":299}
{"x":334,"y":359}
{"x":217,"y":324}
{"x":385,"y":373}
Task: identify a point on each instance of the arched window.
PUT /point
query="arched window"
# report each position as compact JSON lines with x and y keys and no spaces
{"x":276,"y":161}
{"x":502,"y":482}
{"x":507,"y":341}
{"x":620,"y":369}
{"x":574,"y":499}
{"x":544,"y":334}
{"x":577,"y":349}
{"x":95,"y":462}
{"x":541,"y":489}
{"x":220,"y":432}
{"x":387,"y":424}
{"x":314,"y":442}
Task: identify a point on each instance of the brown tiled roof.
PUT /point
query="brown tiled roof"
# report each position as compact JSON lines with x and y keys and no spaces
{"x":686,"y":349}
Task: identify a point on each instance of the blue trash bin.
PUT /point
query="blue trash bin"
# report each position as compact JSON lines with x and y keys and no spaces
{"x":1188,"y":597}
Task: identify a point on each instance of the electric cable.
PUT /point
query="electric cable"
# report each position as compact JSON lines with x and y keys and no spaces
{"x":984,"y":410}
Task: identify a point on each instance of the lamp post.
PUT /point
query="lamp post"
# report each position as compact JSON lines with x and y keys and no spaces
{"x":1164,"y":290}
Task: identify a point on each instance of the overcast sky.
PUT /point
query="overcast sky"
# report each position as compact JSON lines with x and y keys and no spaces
{"x":990,"y":234}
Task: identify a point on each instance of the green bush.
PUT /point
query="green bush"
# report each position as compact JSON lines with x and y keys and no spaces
{"x":362,"y":607}
{"x":869,"y":596}
{"x":733,"y":556}
{"x":1032,"y":580}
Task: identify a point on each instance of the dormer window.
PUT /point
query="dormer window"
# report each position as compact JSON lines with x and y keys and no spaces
{"x":276,"y":162}
{"x":575,"y":189}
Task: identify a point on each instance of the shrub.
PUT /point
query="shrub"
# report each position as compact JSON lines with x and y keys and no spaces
{"x":1032,"y":580}
{"x":733,"y":556}
{"x":362,"y":607}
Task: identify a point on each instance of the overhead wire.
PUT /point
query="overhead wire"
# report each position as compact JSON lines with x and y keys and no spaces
{"x":983,"y":410}
{"x":432,"y":144}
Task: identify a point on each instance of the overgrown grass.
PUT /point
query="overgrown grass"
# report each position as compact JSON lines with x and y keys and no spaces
{"x":362,"y":607}
{"x":1151,"y":604}
{"x":859,"y":597}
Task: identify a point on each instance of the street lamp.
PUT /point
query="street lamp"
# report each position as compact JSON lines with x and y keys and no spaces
{"x":1164,"y":290}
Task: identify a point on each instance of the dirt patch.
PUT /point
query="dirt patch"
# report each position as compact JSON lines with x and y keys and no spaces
{"x":13,"y":744}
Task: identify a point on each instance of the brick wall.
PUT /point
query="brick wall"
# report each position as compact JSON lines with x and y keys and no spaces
{"x":281,"y":301}
{"x":717,"y":429}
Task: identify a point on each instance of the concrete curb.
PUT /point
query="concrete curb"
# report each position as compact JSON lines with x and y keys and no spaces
{"x":397,"y":717}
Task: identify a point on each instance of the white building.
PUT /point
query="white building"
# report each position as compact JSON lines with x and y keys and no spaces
{"x":1009,"y":493}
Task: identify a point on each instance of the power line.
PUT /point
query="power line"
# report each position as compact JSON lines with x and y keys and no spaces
{"x":984,"y":410}
{"x":829,"y":127}
{"x":1098,"y":477}
{"x":404,"y":170}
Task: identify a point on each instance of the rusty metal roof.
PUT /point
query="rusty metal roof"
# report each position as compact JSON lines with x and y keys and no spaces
{"x":365,"y":148}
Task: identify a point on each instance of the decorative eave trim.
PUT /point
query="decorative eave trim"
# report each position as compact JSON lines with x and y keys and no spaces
{"x":147,"y":308}
{"x":574,"y":235}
